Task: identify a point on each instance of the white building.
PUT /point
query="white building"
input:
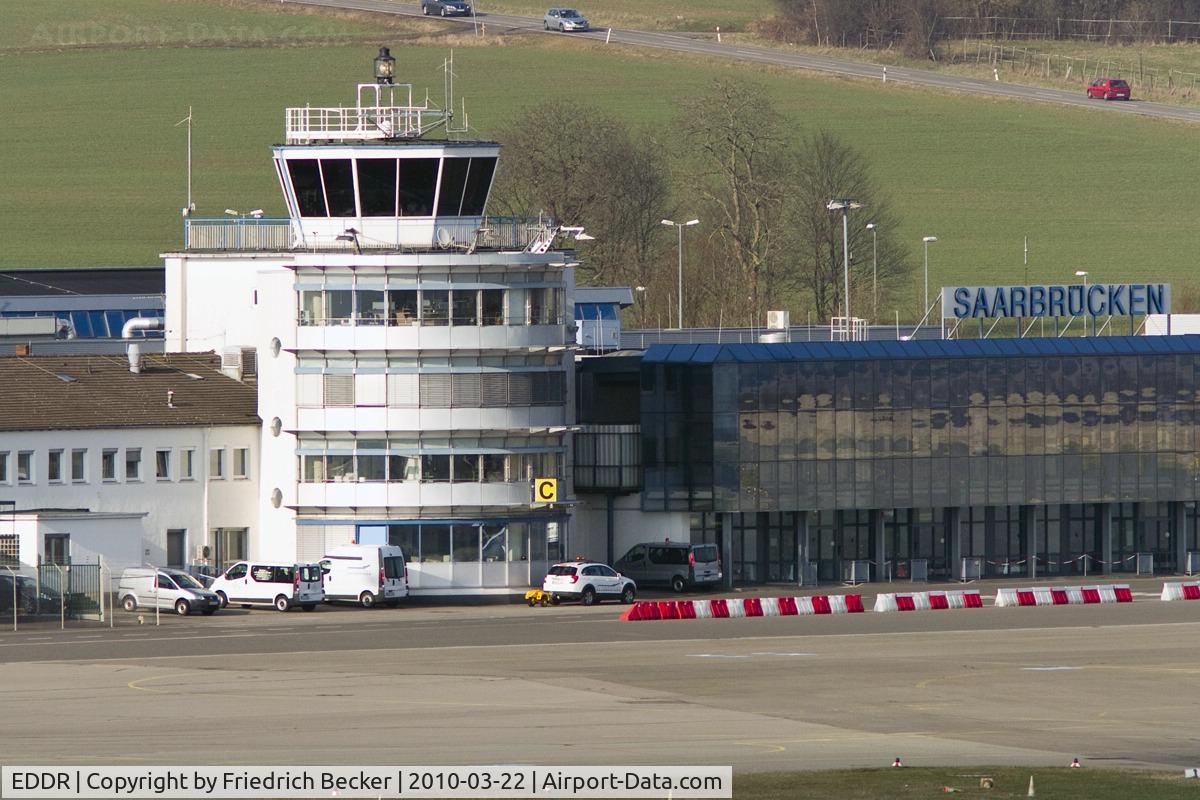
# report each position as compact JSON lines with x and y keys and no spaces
{"x":98,"y":461}
{"x":414,"y":355}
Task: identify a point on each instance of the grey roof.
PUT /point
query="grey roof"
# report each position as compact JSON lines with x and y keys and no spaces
{"x":622,"y":295}
{"x":96,"y":391}
{"x":94,"y":280}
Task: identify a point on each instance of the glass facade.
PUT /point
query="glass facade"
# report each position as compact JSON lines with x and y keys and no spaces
{"x":1033,"y":457}
{"x":1113,"y":425}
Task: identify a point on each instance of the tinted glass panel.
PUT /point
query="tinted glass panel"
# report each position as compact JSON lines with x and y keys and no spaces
{"x":454,"y":176}
{"x":479,"y":181}
{"x":377,"y":187}
{"x":418,"y":176}
{"x":339,"y":186}
{"x":306,"y":182}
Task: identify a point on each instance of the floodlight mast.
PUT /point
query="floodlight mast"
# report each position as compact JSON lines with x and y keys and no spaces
{"x":844,"y":205}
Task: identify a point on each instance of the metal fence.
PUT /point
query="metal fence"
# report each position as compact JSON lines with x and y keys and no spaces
{"x":1076,"y":70}
{"x":71,"y":590}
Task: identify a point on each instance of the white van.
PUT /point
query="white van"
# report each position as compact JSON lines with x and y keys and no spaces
{"x":175,"y":589}
{"x":365,"y":574}
{"x":281,"y":586}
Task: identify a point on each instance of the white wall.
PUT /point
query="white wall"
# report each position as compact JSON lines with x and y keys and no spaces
{"x":210,"y":301}
{"x":194,"y":505}
{"x":631,"y":525}
{"x":1156,"y":324}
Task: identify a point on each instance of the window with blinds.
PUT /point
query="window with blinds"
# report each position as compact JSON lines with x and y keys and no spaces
{"x":465,"y":390}
{"x":493,"y":389}
{"x":435,"y":391}
{"x":338,"y":391}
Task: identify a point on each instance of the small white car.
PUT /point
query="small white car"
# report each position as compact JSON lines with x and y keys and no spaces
{"x":279,"y":585}
{"x":146,"y":587}
{"x":564,"y":19}
{"x":588,"y":582}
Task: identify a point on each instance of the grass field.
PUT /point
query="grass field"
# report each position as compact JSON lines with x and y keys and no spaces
{"x":94,"y":169}
{"x":1008,"y":783}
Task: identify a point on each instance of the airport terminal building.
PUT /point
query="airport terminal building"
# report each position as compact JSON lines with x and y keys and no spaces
{"x":967,"y":457}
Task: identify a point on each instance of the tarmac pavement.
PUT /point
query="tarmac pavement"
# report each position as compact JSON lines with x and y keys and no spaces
{"x":1111,"y":684}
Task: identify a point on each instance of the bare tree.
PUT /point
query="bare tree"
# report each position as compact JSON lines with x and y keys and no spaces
{"x":740,"y":184}
{"x":583,"y":168}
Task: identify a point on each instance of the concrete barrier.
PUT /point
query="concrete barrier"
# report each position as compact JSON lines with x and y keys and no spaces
{"x":1181,"y":591}
{"x":1065,"y":596}
{"x":929,"y":601}
{"x":732,"y":608}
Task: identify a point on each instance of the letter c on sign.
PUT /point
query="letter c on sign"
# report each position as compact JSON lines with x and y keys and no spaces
{"x":545,"y":490}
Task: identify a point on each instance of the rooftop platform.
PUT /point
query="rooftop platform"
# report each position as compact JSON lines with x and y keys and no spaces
{"x":415,"y":235}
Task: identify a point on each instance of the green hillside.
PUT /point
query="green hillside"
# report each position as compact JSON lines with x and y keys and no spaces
{"x":93,"y":163}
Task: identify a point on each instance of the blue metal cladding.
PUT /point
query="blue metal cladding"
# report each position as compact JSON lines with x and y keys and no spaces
{"x":921,"y":424}
{"x":922,"y":348}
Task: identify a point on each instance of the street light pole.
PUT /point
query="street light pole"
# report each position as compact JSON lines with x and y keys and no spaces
{"x":874,"y":272}
{"x":927,"y":240}
{"x":844,"y":205}
{"x":680,"y":226}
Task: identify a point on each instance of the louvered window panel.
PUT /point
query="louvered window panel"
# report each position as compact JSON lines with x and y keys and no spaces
{"x":520,"y":388}
{"x":339,"y":390}
{"x":465,"y":391}
{"x":493,"y":389}
{"x":402,"y":391}
{"x":435,"y":391}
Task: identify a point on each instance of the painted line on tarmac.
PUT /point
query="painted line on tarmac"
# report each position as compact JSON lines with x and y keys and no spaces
{"x":1050,"y":669}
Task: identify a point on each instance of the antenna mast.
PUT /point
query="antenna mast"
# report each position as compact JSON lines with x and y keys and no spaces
{"x":190,"y":207}
{"x":448,"y":66}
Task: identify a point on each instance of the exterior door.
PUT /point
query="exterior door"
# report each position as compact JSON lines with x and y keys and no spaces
{"x":177,"y":548}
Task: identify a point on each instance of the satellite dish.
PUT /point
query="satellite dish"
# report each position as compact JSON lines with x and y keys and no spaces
{"x":444,"y":239}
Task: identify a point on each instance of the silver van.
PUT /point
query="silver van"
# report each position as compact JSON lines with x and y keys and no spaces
{"x":676,"y":564}
{"x":146,"y":587}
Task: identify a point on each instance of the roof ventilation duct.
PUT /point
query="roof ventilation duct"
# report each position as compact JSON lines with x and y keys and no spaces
{"x":133,"y":349}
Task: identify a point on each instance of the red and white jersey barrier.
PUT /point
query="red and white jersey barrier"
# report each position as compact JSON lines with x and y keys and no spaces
{"x":927,"y":601}
{"x":1181,"y":591}
{"x":1066,"y":596}
{"x":744,"y":607}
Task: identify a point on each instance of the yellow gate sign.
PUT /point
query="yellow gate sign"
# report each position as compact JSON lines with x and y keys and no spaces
{"x":545,"y":490}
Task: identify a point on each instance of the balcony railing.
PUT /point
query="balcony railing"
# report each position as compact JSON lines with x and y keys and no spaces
{"x":415,"y":235}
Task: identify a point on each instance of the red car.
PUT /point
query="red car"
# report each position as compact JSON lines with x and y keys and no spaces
{"x":1108,"y":89}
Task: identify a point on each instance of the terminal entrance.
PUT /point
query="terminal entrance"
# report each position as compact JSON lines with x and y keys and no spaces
{"x":944,"y":544}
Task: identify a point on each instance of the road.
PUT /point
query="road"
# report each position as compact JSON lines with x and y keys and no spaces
{"x":706,"y":46}
{"x":569,"y":685}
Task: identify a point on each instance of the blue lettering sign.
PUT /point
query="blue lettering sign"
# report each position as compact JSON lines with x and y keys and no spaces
{"x":962,"y":296}
{"x":1037,"y":301}
{"x":1137,"y":298}
{"x":1116,"y":299}
{"x":1016,"y":297}
{"x":1000,"y":304}
{"x":981,"y":305}
{"x":1095,"y":300}
{"x":1154,"y":298}
{"x":1056,"y":302}
{"x":1075,"y":300}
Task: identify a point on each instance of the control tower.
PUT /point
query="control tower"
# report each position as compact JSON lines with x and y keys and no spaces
{"x":413,"y":354}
